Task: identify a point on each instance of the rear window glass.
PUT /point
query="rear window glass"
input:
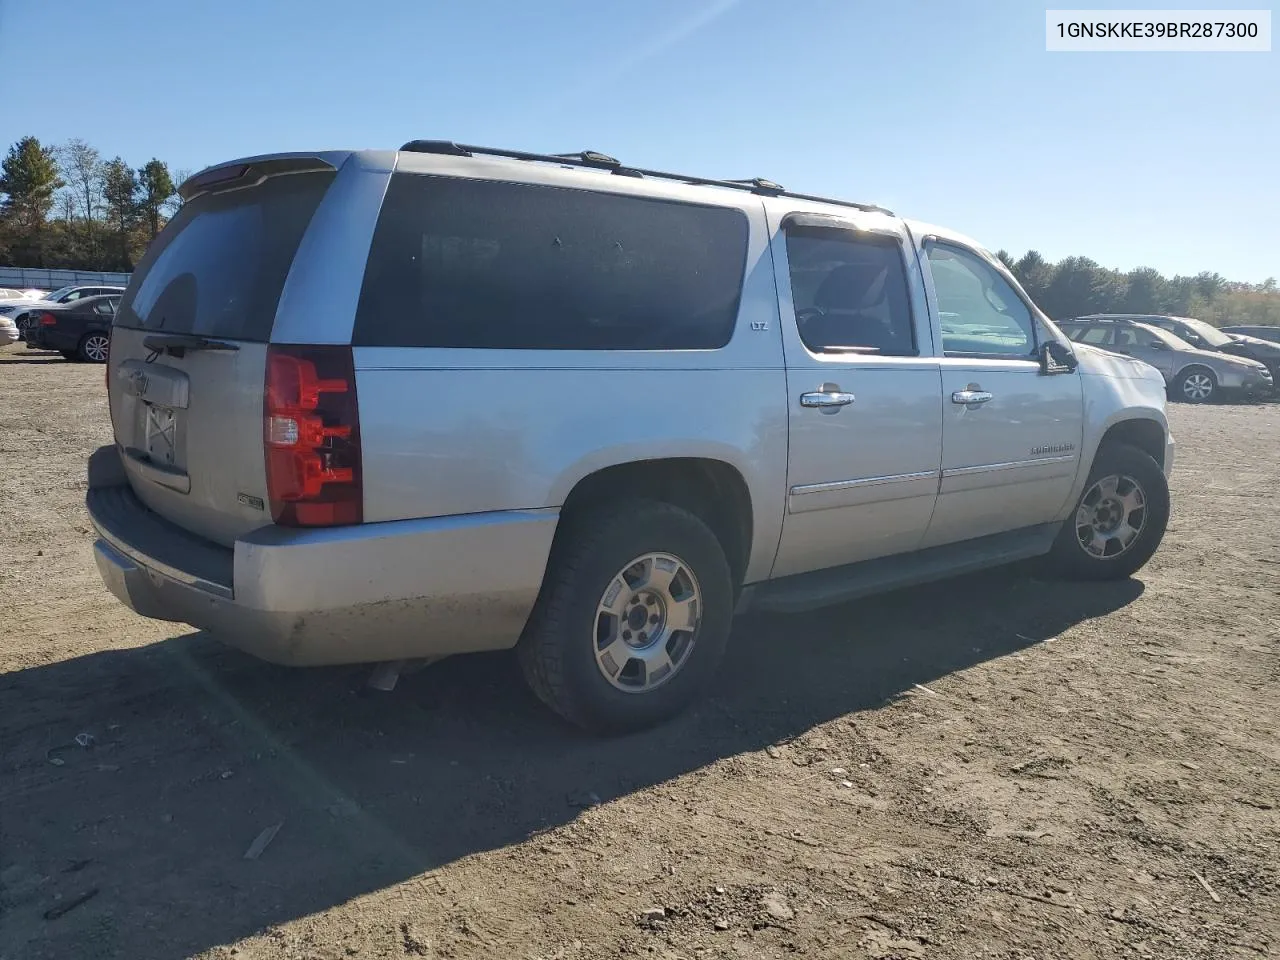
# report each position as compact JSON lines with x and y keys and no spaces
{"x":219,"y":266}
{"x":488,"y":264}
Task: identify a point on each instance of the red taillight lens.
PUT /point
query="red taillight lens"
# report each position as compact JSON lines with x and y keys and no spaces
{"x":311,"y":432}
{"x":47,"y":319}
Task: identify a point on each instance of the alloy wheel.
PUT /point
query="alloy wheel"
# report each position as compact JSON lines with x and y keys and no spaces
{"x":1111,"y":516}
{"x":646,"y":622}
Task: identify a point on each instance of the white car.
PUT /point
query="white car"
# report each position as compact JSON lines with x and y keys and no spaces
{"x":8,"y":332}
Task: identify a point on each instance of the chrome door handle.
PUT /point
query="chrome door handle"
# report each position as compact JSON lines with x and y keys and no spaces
{"x":826,"y":399}
{"x":971,"y":398}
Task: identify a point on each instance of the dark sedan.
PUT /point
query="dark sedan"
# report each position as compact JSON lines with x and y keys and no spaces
{"x":80,"y":330}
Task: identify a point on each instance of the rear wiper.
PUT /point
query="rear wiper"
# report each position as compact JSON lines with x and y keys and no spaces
{"x":177,"y":344}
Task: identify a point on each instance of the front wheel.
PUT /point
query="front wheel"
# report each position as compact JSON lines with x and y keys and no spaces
{"x":633,"y":617}
{"x":1197,"y":385}
{"x":1119,"y":519}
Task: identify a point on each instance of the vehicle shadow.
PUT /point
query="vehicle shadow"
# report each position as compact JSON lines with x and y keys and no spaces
{"x":195,"y":749}
{"x":32,"y":356}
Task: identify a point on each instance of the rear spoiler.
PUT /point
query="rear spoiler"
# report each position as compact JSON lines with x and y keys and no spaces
{"x":239,"y":174}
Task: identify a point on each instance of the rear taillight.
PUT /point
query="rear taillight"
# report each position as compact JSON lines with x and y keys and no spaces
{"x":47,"y":319}
{"x":311,"y":431}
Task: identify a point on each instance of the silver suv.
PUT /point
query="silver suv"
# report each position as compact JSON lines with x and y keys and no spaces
{"x":395,"y":405}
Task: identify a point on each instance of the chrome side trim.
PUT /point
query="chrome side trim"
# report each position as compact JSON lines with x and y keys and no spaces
{"x":1008,"y":465}
{"x":803,"y":489}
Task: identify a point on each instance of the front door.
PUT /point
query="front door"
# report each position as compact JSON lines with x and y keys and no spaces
{"x":1011,"y":434}
{"x":863,"y":391}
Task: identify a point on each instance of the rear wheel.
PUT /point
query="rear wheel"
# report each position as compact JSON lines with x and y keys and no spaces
{"x":633,"y":617}
{"x":1197,"y":385}
{"x":93,"y":348}
{"x":1119,"y":519}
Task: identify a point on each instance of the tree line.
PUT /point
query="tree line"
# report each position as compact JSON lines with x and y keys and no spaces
{"x":64,"y":206}
{"x":1077,"y":286}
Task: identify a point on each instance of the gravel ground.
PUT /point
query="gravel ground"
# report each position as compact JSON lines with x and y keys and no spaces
{"x":991,"y":767}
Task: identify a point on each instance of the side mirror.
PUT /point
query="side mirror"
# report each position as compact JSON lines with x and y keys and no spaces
{"x":1158,"y":345}
{"x":1057,"y":357}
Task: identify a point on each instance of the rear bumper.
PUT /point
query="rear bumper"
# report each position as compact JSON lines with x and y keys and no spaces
{"x":379,"y":591}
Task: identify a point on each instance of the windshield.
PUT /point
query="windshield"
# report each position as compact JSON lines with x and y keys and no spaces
{"x":1172,"y":341}
{"x":61,"y":292}
{"x":1208,"y":332}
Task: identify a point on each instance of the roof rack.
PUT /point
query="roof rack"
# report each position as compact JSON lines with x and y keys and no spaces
{"x":600,"y":161}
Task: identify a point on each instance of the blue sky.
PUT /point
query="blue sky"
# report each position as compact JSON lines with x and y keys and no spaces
{"x":948,"y":111}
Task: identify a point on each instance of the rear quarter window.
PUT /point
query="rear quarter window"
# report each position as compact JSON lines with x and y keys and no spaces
{"x":218,"y":268}
{"x":490,"y":264}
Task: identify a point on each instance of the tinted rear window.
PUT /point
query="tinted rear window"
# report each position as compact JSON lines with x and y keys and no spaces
{"x":219,"y":266}
{"x":487,"y":264}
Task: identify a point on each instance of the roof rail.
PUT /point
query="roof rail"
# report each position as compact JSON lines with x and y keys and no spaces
{"x":600,"y":161}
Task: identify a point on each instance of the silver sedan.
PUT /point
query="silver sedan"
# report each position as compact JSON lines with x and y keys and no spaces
{"x":1192,"y":375}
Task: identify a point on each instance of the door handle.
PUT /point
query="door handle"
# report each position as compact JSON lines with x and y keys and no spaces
{"x":971,"y":397}
{"x":826,"y":399}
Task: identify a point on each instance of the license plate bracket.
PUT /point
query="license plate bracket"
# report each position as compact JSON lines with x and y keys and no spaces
{"x":161,"y":434}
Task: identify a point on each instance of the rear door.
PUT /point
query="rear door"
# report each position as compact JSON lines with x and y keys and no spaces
{"x":189,"y":420}
{"x":863,"y":391}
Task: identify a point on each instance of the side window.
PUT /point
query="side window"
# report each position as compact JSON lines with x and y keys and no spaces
{"x":1098,"y":336}
{"x":850,"y":293}
{"x":980,"y":312}
{"x":105,"y":308}
{"x":494,"y":265}
{"x":72,"y":296}
{"x":1126,"y":337}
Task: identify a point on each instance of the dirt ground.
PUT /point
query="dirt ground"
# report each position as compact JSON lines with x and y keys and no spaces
{"x":992,"y":767}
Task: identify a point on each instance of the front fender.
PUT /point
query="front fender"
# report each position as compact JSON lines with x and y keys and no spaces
{"x":1117,"y":390}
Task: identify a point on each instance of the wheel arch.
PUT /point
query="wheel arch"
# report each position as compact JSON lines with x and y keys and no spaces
{"x":1195,"y":365}
{"x":713,"y":490}
{"x":1145,"y":433}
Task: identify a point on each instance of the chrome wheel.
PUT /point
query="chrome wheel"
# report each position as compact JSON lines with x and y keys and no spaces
{"x":1111,"y":516}
{"x":95,"y":348}
{"x":646,"y":622}
{"x":1197,"y":387}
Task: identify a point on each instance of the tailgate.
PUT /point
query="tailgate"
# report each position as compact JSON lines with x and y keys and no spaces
{"x":189,"y":350}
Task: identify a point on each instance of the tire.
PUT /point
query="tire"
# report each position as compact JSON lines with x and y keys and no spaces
{"x":1192,"y":384}
{"x":93,"y":347}
{"x":1071,"y":558}
{"x":566,"y":650}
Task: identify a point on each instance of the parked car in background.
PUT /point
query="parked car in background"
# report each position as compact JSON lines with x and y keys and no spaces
{"x":1271,"y":334}
{"x":1192,"y":374}
{"x":1205,"y":336}
{"x":8,"y":332}
{"x":80,"y":291}
{"x":79,"y":330}
{"x":9,"y":294}
{"x":651,"y":402}
{"x":23,"y":311}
